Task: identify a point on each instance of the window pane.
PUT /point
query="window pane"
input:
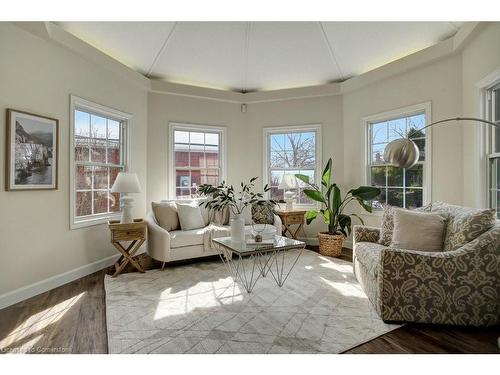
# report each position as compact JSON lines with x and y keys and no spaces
{"x":397,"y":129}
{"x":82,"y":133}
{"x":395,"y":197}
{"x":414,"y":198}
{"x":378,"y":153}
{"x":378,"y":176}
{"x":83,"y":177}
{"x":183,"y":193}
{"x":212,"y":156}
{"x":100,"y":177}
{"x":381,"y":199}
{"x":416,"y":122}
{"x":83,"y":203}
{"x":394,"y":176}
{"x":302,"y":198}
{"x":181,"y":156}
{"x":113,"y":130}
{"x":212,"y":139}
{"x":276,"y":177}
{"x":277,"y":160}
{"x":181,"y":137}
{"x":415,"y":176}
{"x":113,"y":173}
{"x":98,"y":127}
{"x":195,"y":178}
{"x":100,"y":202}
{"x":276,"y":193}
{"x":182,"y":179}
{"x":277,"y":142}
{"x":379,"y":132}
{"x":196,"y":138}
{"x":210,"y":176}
{"x":496,"y":133}
{"x":197,"y":157}
{"x":308,"y":172}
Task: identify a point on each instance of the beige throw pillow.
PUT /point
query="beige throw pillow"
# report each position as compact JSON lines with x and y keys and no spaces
{"x":190,"y":216}
{"x":166,"y":215}
{"x":420,"y":231}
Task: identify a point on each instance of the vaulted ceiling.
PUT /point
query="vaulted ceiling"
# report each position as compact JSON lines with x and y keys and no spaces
{"x":257,"y":56}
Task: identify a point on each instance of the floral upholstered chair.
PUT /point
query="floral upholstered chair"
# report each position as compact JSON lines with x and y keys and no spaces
{"x":459,"y":285}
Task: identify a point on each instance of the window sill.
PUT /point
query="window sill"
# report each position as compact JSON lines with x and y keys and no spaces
{"x":94,"y":221}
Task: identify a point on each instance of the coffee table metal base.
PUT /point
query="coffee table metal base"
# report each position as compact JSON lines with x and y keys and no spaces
{"x":247,"y":270}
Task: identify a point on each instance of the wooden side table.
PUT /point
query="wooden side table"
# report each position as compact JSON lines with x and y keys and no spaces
{"x":134,"y":232}
{"x":289,"y":218}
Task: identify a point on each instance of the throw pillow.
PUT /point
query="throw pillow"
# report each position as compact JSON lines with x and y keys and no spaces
{"x":422,"y":231}
{"x":465,"y":224}
{"x":387,"y":227}
{"x":262,"y":214}
{"x":190,"y":216}
{"x":166,"y":215}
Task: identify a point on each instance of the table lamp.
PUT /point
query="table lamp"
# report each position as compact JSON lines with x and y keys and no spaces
{"x":288,"y":181}
{"x":126,"y":183}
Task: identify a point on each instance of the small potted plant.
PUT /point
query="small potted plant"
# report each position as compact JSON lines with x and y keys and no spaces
{"x":224,"y":196}
{"x":333,"y":206}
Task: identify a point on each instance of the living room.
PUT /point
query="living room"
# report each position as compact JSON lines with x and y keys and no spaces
{"x":251,"y":186}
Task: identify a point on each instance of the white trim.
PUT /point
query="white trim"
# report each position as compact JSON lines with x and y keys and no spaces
{"x":425,"y":107}
{"x":175,"y":125}
{"x":77,"y":102}
{"x":21,"y":294}
{"x":293,"y":128}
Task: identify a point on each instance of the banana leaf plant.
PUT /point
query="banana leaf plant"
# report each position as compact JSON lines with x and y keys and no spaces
{"x":332,"y":203}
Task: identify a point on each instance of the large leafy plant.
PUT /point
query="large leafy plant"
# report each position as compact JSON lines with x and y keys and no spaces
{"x":333,"y":205}
{"x":223,"y":195}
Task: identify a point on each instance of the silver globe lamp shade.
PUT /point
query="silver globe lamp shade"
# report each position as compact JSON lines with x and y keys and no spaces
{"x":404,"y":152}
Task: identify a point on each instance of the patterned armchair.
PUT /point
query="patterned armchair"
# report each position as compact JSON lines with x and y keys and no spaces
{"x":459,"y":286}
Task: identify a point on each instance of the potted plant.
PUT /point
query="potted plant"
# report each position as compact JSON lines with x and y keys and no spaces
{"x":333,"y":206}
{"x":225,"y":196}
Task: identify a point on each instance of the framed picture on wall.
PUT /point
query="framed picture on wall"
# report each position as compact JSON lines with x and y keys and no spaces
{"x":32,"y":149}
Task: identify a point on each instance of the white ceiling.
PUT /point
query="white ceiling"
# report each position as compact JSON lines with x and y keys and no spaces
{"x":249,"y":56}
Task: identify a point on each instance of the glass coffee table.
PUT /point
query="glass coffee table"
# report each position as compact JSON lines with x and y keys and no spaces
{"x":247,"y":262}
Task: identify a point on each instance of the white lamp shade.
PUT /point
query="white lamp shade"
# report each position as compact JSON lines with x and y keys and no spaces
{"x":126,"y":183}
{"x":288,"y":181}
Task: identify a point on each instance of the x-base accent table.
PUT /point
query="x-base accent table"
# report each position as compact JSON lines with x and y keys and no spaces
{"x":134,"y":232}
{"x":289,"y":218}
{"x":248,"y":262}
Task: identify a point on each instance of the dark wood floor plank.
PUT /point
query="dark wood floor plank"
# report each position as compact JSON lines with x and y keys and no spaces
{"x":74,"y":316}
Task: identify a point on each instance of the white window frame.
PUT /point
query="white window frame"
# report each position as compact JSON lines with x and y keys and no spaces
{"x":489,"y":114}
{"x":173,"y":126}
{"x":266,"y":164}
{"x":98,"y":109}
{"x":391,"y":115}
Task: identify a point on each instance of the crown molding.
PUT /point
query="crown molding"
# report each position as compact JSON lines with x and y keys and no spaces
{"x":448,"y":47}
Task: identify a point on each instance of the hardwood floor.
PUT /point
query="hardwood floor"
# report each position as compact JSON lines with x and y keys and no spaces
{"x":72,"y":319}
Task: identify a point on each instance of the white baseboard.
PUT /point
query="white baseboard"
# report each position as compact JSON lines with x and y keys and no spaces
{"x":18,"y":295}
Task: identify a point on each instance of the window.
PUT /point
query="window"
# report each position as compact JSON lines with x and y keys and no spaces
{"x":493,"y":113}
{"x":292,"y":150}
{"x":400,"y":187}
{"x":98,"y":154}
{"x":196,"y":158}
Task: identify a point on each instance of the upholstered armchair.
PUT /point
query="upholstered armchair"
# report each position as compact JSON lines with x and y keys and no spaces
{"x":459,"y":287}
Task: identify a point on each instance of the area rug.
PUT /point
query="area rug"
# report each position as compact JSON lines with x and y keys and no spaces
{"x":198,"y":308}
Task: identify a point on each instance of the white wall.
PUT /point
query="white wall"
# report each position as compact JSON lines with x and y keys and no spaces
{"x":38,"y":76}
{"x":480,"y":58}
{"x":244,"y":133}
{"x":439,"y":83}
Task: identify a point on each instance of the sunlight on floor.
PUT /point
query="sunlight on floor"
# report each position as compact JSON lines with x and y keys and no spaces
{"x":345,"y":268}
{"x":27,"y":334}
{"x":346,"y":289}
{"x":202,"y":295}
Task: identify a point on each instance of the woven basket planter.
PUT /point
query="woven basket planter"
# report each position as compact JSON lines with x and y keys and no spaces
{"x":330,"y":244}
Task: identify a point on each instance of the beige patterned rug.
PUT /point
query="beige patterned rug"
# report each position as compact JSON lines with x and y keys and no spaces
{"x":198,"y":309}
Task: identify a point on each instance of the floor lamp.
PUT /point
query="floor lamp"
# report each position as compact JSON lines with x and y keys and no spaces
{"x":404,"y":152}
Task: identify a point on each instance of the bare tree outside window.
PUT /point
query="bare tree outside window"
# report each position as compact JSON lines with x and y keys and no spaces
{"x":291,"y":153}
